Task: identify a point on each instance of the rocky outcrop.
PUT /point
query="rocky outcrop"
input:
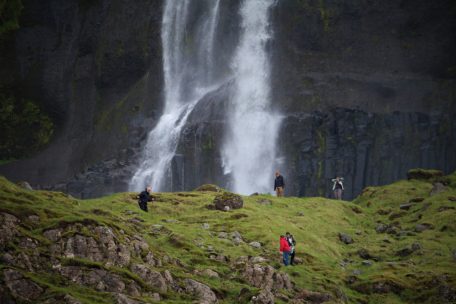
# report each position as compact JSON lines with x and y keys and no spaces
{"x":21,"y":287}
{"x":266,"y":277}
{"x":202,"y":292}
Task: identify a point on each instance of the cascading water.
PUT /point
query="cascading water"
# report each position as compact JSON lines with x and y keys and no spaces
{"x":249,"y":152}
{"x":188,"y":56}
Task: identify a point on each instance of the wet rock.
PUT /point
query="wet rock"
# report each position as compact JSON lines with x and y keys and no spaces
{"x":209,"y":188}
{"x":233,"y":201}
{"x":264,"y":201}
{"x":345,"y":238}
{"x":264,"y":297}
{"x":202,"y":292}
{"x":423,"y":227}
{"x":25,"y":185}
{"x":256,"y":245}
{"x":151,"y":277}
{"x":21,"y":287}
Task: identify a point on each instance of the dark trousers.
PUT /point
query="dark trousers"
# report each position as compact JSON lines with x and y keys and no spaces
{"x":292,"y":254}
{"x":142,"y":205}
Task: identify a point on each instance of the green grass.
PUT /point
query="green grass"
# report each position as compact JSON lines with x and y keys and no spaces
{"x":315,"y":222}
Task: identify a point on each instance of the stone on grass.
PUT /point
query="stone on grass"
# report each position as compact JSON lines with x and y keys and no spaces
{"x":437,"y":188}
{"x":228,"y":199}
{"x":25,"y":185}
{"x":406,"y":206}
{"x":205,"y":226}
{"x":255,"y":244}
{"x":345,"y":238}
{"x":367,"y":263}
{"x":223,"y":235}
{"x":423,"y":227}
{"x":264,"y":201}
{"x":202,"y":292}
{"x":381,"y":228}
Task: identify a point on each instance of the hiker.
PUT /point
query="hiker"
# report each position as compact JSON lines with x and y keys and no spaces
{"x":338,"y":187}
{"x":284,"y":249}
{"x":292,"y":243}
{"x":279,"y":184}
{"x":145,"y":197}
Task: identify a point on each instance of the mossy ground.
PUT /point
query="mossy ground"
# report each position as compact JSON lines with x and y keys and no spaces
{"x":315,"y":222}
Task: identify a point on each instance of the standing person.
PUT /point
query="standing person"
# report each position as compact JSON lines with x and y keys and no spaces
{"x":338,"y":187}
{"x":279,"y":184}
{"x":292,"y":243}
{"x":145,"y":197}
{"x":284,"y":249}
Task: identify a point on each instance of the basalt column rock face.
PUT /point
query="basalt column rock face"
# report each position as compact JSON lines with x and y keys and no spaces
{"x":96,"y":67}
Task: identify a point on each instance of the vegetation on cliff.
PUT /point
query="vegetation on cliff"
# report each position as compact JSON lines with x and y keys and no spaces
{"x":106,"y":250}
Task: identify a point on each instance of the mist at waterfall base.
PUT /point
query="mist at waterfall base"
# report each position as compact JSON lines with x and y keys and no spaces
{"x":190,"y":71}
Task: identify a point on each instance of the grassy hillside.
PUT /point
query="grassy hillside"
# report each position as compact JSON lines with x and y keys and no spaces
{"x":400,"y":253}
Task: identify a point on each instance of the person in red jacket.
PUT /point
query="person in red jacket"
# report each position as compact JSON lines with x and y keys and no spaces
{"x":285,"y":249}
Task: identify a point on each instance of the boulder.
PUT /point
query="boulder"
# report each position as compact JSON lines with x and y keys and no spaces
{"x":264,"y":201}
{"x":204,"y":294}
{"x":381,"y":228}
{"x":233,"y":201}
{"x":266,"y":277}
{"x":256,"y":245}
{"x":25,"y":185}
{"x":364,"y":254}
{"x":423,"y":227}
{"x":345,"y":238}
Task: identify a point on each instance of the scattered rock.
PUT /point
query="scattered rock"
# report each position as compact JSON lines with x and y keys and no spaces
{"x":381,"y":228}
{"x":264,"y":297}
{"x":20,"y":287}
{"x":223,"y":235}
{"x":313,"y":296}
{"x":229,"y":199}
{"x":396,"y":215}
{"x":384,"y":211}
{"x":258,"y":260}
{"x":437,"y":188}
{"x":416,"y":200}
{"x":202,"y":292}
{"x":423,"y":227}
{"x":404,"y":252}
{"x":300,"y":213}
{"x":236,"y":237}
{"x":416,"y":246}
{"x":445,"y":208}
{"x":264,"y":201}
{"x":256,"y":245}
{"x":357,"y":272}
{"x":367,"y":263}
{"x":406,"y":206}
{"x":210,"y":273}
{"x":205,"y":226}
{"x":25,"y":185}
{"x":345,"y":238}
{"x":364,"y":254}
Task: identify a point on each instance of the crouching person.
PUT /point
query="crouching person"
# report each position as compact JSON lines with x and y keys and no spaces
{"x":145,"y":197}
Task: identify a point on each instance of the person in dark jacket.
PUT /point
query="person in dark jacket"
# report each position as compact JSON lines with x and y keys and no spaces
{"x":144,"y":198}
{"x":292,"y":242}
{"x":285,"y":250}
{"x":279,"y":184}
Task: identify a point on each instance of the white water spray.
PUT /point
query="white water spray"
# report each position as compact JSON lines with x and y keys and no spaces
{"x":188,"y":77}
{"x":249,"y":153}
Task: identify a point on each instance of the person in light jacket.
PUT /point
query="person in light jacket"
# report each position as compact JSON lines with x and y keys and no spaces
{"x":338,"y":187}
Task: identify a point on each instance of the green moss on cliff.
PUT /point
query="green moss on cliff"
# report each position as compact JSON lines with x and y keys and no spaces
{"x":26,"y":128}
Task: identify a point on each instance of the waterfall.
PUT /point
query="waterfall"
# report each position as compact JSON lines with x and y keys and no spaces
{"x":249,"y":151}
{"x":188,"y":56}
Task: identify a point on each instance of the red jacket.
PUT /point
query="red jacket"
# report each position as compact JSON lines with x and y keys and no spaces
{"x":284,"y":246}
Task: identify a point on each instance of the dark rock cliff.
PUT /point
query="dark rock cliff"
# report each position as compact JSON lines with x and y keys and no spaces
{"x":367,"y":91}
